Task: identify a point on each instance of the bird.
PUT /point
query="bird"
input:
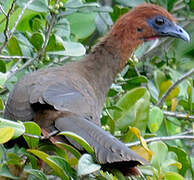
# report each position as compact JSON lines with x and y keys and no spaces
{"x":71,"y":97}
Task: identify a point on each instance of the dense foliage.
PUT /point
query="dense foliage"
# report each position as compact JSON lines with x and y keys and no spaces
{"x":46,"y":33}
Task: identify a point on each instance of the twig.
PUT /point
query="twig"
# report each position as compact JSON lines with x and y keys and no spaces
{"x":178,"y":2}
{"x":48,"y":32}
{"x":14,"y":57}
{"x":2,"y":10}
{"x":164,"y":138}
{"x":6,"y":30}
{"x":13,"y":69}
{"x":178,"y":8}
{"x":186,"y":75}
{"x":42,"y":137}
{"x":189,"y":131}
{"x":41,"y":52}
{"x":178,"y":115}
{"x":8,"y":34}
{"x":26,"y":64}
{"x":19,"y":17}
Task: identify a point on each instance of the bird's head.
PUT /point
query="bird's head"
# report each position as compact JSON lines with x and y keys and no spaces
{"x":143,"y":23}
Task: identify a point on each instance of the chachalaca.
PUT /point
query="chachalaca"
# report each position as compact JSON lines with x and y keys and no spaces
{"x":71,"y":97}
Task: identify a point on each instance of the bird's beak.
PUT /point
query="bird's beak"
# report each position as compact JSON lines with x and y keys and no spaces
{"x":175,"y":30}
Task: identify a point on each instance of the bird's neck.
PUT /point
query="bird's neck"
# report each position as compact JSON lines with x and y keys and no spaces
{"x":106,"y":60}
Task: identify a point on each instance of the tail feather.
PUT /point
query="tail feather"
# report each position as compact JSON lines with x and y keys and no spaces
{"x":108,"y":149}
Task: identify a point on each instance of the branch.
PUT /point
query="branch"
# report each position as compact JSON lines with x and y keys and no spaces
{"x":14,"y":57}
{"x":41,"y":52}
{"x":42,"y":137}
{"x":48,"y":32}
{"x":178,"y":115}
{"x":6,"y":30}
{"x":20,"y":16}
{"x":2,"y":10}
{"x":186,"y":75}
{"x":13,"y":70}
{"x":7,"y":34}
{"x":164,"y":138}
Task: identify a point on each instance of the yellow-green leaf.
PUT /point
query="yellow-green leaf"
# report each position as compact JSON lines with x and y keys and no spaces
{"x":173,"y":176}
{"x":70,"y":148}
{"x":45,"y":157}
{"x":6,"y":134}
{"x":164,"y":87}
{"x":79,"y":140}
{"x":143,"y":142}
{"x":177,"y":164}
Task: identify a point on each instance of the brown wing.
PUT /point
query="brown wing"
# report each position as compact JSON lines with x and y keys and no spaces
{"x":42,"y":88}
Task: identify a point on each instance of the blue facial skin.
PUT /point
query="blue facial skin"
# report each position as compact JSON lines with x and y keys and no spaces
{"x":163,"y":27}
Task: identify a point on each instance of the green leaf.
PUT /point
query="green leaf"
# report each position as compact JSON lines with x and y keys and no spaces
{"x":45,"y":157}
{"x":153,"y":91}
{"x":71,"y":49}
{"x":79,"y":140}
{"x":164,"y":87}
{"x":173,"y":176}
{"x":62,"y":164}
{"x":55,"y":149}
{"x":70,"y":148}
{"x":13,"y":47}
{"x":6,"y":133}
{"x":1,"y":104}
{"x":87,"y":166}
{"x":79,"y":24}
{"x":25,"y":45}
{"x":13,"y":159}
{"x":62,"y":28}
{"x":131,"y":3}
{"x":27,"y":21}
{"x":159,"y":77}
{"x":2,"y":66}
{"x":3,"y":78}
{"x":55,"y":44}
{"x":171,"y":162}
{"x":155,"y":119}
{"x":34,"y":129}
{"x":183,"y":158}
{"x":4,"y":171}
{"x":38,"y":5}
{"x":175,"y":75}
{"x":134,"y":82}
{"x":37,"y":173}
{"x":160,"y":151}
{"x":37,"y":40}
{"x":134,"y":105}
{"x":18,"y":127}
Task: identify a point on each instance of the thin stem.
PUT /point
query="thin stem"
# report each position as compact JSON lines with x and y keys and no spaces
{"x":3,"y":11}
{"x":14,"y":57}
{"x":6,"y":30}
{"x":13,"y":69}
{"x":178,"y":115}
{"x":186,"y":75}
{"x":8,"y":34}
{"x":164,"y":138}
{"x":20,"y":16}
{"x":42,"y":137}
{"x":48,"y":32}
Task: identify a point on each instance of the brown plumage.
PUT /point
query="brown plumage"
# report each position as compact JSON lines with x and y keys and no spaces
{"x":71,"y":97}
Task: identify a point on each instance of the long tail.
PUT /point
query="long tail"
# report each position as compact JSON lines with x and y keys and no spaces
{"x":108,"y":150}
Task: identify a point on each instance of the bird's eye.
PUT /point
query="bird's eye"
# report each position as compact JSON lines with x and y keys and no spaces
{"x":139,"y":29}
{"x":159,"y":21}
